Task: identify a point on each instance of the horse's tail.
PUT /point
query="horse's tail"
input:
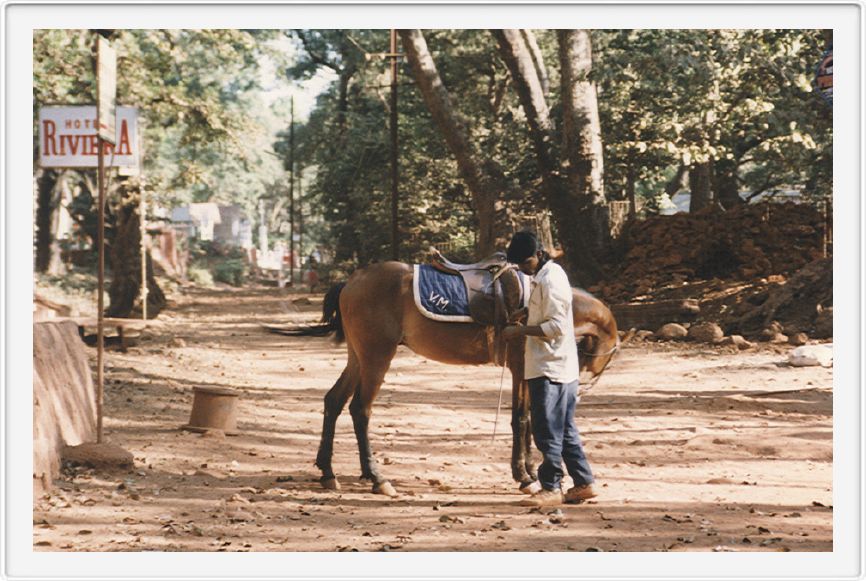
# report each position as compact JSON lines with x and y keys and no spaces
{"x":331,"y":322}
{"x":331,"y":316}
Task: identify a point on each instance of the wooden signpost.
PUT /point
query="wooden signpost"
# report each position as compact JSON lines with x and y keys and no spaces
{"x":106,"y":97}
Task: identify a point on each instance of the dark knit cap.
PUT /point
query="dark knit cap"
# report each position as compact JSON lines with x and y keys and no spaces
{"x":522,"y":246}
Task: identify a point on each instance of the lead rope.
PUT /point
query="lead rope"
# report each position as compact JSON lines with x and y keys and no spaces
{"x":499,"y":405}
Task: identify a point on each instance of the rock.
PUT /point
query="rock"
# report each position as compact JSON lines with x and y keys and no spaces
{"x":177,"y":342}
{"x":672,"y":331}
{"x":779,"y":338}
{"x":798,"y":339}
{"x":644,"y":335}
{"x":705,"y":333}
{"x":738,"y":341}
{"x":811,"y":356}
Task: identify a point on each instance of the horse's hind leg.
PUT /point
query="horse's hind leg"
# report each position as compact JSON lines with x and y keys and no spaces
{"x":373,"y":371}
{"x":335,"y":401}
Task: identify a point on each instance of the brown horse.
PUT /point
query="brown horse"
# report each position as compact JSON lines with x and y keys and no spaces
{"x":374,"y":311}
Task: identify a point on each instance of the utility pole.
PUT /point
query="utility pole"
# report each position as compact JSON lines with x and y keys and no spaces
{"x":292,"y":195}
{"x":395,"y":230}
{"x":301,"y":217}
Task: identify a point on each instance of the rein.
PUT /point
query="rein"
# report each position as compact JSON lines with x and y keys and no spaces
{"x":499,"y":405}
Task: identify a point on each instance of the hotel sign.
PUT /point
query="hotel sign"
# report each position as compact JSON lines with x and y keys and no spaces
{"x":68,"y":138}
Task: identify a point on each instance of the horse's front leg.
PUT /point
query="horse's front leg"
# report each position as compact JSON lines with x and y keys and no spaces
{"x":521,"y":454}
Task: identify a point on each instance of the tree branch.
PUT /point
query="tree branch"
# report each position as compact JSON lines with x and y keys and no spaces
{"x":314,"y":56}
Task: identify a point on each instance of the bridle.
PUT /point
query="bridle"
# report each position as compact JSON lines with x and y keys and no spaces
{"x":595,"y":379}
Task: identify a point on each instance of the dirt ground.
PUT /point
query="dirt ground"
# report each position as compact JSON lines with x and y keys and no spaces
{"x":694,"y":448}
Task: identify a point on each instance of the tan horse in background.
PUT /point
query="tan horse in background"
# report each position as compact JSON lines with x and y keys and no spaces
{"x":375,"y":312}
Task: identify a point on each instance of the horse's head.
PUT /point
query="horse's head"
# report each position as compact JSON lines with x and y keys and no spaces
{"x":596,"y":333}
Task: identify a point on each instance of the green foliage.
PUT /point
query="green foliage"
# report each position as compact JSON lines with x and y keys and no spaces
{"x":666,"y":97}
{"x":200,"y":276}
{"x":233,"y":271}
{"x":739,"y":97}
{"x":210,"y":261}
{"x":347,"y":141}
{"x":205,"y":126}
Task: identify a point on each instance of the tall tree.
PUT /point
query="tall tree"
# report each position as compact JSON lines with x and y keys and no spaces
{"x":581,"y":137}
{"x":572,"y":180}
{"x":482,"y":176}
{"x":192,"y":88}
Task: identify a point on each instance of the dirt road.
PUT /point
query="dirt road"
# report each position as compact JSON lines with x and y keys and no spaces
{"x":694,"y":449}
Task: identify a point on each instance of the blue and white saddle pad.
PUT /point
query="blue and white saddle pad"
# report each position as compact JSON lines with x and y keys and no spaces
{"x":443,"y":297}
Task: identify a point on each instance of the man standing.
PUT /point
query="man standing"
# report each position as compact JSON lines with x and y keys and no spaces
{"x":552,"y":370}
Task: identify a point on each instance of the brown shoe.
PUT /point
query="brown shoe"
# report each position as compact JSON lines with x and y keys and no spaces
{"x":544,"y":498}
{"x":579,"y":494}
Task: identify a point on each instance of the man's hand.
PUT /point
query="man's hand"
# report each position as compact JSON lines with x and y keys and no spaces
{"x":512,"y":332}
{"x":518,"y":316}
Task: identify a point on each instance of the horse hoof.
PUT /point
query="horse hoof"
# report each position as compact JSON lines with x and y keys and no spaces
{"x":330,"y":484}
{"x":530,"y":488}
{"x":384,"y":488}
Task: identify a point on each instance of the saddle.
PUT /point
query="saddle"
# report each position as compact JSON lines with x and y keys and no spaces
{"x":494,"y":292}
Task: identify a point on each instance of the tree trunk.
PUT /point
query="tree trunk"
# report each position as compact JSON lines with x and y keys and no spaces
{"x":581,"y":131}
{"x":700,"y":185}
{"x":630,"y":179}
{"x":572,"y":205}
{"x":537,"y":60}
{"x":46,"y":187}
{"x":677,"y":182}
{"x":125,"y":251}
{"x":725,"y":184}
{"x":56,"y":266}
{"x":480,"y":177}
{"x":343,"y":97}
{"x":518,"y":59}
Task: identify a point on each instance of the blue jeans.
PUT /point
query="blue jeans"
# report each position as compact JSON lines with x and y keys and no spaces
{"x":552,"y":406}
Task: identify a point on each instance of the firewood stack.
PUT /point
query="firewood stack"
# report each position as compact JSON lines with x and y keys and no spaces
{"x":748,"y":242}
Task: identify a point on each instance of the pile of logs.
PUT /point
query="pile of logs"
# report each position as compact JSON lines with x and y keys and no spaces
{"x":747,"y":242}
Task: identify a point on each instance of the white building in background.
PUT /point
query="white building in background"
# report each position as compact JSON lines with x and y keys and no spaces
{"x":681,"y":200}
{"x":197,"y":220}
{"x":209,"y":221}
{"x":234,"y":227}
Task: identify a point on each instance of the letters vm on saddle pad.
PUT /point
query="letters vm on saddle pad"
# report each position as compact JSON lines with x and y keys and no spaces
{"x":443,"y":297}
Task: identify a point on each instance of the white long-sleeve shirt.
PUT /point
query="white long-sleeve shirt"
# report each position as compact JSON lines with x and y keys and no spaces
{"x":555,"y":355}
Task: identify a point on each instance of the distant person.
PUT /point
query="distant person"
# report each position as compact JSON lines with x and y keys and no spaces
{"x":313,"y":261}
{"x":315,"y":257}
{"x":552,"y":370}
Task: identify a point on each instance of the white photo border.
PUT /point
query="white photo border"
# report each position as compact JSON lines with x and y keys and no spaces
{"x":19,"y":561}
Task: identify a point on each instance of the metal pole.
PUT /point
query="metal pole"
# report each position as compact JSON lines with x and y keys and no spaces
{"x":143,"y":220}
{"x":395,"y":231}
{"x":100,"y":177}
{"x":100,"y":244}
{"x":292,"y":195}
